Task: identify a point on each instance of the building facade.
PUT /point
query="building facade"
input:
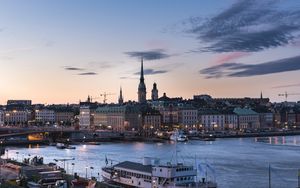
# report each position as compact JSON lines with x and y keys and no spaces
{"x":247,"y":118}
{"x":188,"y":116}
{"x":212,"y":121}
{"x":17,"y":117}
{"x":1,"y":117}
{"x":64,"y":117}
{"x":84,"y":117}
{"x":231,"y":121}
{"x":45,"y":116}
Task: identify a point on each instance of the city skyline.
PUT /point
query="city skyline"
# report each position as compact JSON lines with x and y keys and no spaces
{"x":61,"y":52}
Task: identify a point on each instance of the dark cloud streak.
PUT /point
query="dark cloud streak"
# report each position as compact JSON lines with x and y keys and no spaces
{"x":243,"y":70}
{"x":149,"y":55}
{"x":286,"y":86}
{"x":247,"y":26}
{"x":73,"y":69}
{"x":151,"y":72}
{"x":87,"y":73}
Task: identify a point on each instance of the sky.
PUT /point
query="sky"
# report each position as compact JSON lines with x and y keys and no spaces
{"x":61,"y":51}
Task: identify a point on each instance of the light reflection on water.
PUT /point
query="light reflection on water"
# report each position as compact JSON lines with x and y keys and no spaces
{"x":239,"y":162}
{"x":280,"y":140}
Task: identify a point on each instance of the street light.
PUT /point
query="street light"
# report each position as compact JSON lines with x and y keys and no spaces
{"x":72,"y":167}
{"x":92,"y":168}
{"x":86,"y":172}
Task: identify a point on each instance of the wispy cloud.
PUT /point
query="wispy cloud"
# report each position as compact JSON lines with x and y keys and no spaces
{"x":99,"y":64}
{"x":244,"y":70}
{"x":149,"y":55}
{"x":151,"y":72}
{"x":87,"y":73}
{"x":286,"y":86}
{"x":246,"y":26}
{"x":229,"y":57}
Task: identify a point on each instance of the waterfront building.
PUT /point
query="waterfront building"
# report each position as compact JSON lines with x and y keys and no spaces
{"x":187,"y":116}
{"x":170,"y":115}
{"x":1,"y":117}
{"x":121,"y":100}
{"x":142,"y":87}
{"x":211,"y":120}
{"x":64,"y":117}
{"x":231,"y":121}
{"x":154,"y":92}
{"x":151,"y":119}
{"x":44,"y":116}
{"x":266,"y":120}
{"x":16,"y":117}
{"x":84,"y":117}
{"x":110,"y":117}
{"x":118,"y":118}
{"x":247,"y":118}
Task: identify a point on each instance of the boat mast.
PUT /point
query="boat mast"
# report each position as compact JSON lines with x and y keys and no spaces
{"x":269,"y":176}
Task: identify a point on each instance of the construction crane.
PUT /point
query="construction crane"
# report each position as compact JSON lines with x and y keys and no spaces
{"x":104,"y":95}
{"x":287,"y":94}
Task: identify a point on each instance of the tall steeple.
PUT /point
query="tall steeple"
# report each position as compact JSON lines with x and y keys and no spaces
{"x":121,"y":96}
{"x":142,"y":87}
{"x":142,"y":71}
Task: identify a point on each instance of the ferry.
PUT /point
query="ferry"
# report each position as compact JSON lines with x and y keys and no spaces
{"x":148,"y":175}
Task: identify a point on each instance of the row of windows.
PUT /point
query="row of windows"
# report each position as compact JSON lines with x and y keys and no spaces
{"x":184,"y":169}
{"x":184,"y":178}
{"x":125,"y":173}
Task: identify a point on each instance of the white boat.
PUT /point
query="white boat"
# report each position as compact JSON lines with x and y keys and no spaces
{"x":146,"y":175}
{"x":61,"y":146}
{"x":179,"y":137}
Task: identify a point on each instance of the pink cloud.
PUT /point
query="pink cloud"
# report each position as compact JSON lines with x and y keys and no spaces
{"x":229,"y":57}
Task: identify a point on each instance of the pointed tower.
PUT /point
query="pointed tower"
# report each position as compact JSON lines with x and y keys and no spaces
{"x":261,"y":95}
{"x":121,"y":96}
{"x":142,"y":87}
{"x":154,"y":94}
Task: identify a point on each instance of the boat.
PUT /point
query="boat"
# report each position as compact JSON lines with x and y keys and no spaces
{"x":179,"y":137}
{"x":64,"y":146}
{"x":61,"y":146}
{"x":148,"y":175}
{"x":70,"y":147}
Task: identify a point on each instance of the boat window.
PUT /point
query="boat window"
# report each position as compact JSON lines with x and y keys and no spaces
{"x":160,"y":170}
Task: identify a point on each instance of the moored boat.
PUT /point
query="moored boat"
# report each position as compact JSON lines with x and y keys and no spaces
{"x":179,"y":137}
{"x":148,"y":175}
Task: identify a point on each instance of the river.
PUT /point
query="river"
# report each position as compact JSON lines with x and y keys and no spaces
{"x":236,"y":162}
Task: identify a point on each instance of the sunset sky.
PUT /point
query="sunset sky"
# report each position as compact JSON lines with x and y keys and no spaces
{"x":60,"y":51}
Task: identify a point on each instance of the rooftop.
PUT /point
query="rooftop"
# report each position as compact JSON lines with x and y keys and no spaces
{"x":135,"y":166}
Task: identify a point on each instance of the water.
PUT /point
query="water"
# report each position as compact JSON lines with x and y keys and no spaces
{"x":242,"y":162}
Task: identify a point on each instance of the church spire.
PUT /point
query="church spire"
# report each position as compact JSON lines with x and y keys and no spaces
{"x":142,"y":87}
{"x":142,"y":71}
{"x":121,"y":96}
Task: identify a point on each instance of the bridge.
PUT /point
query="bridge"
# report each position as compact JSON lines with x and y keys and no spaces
{"x":21,"y":135}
